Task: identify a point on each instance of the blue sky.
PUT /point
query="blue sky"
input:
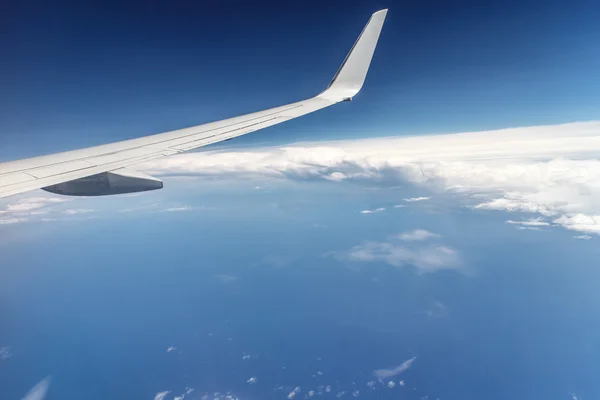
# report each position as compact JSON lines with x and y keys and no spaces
{"x":90,"y":74}
{"x":348,"y":241}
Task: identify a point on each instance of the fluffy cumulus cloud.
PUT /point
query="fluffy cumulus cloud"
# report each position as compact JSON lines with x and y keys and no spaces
{"x":404,"y":249}
{"x":552,"y":171}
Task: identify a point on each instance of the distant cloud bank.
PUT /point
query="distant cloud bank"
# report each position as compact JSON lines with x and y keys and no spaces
{"x":553,"y":171}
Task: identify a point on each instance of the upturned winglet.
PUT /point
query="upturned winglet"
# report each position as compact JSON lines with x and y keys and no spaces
{"x":351,"y":75}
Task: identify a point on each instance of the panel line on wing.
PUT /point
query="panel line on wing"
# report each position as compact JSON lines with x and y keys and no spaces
{"x":154,"y":143}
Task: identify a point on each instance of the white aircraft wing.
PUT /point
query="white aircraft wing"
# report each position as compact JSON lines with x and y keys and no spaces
{"x":105,"y":170}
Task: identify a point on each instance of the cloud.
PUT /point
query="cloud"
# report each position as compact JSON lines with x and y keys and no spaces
{"x":175,"y":209}
{"x":394,"y":371}
{"x":377,"y":210}
{"x":395,"y":252}
{"x":78,"y":211}
{"x":535,"y":222}
{"x":418,"y":234}
{"x":528,"y":228}
{"x":188,"y":391}
{"x":582,"y":237}
{"x":226,"y":278}
{"x":5,"y":353}
{"x":39,"y":391}
{"x":415,"y":199}
{"x":580,"y":222}
{"x":26,"y":209}
{"x":437,"y":310}
{"x":553,"y":171}
{"x":10,"y":221}
{"x":161,"y":395}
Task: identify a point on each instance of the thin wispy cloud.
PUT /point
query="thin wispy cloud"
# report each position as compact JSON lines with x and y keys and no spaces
{"x":226,"y":278}
{"x":26,"y":209}
{"x":582,"y":237}
{"x":532,"y":222}
{"x":528,"y":228}
{"x":552,"y":171}
{"x":177,"y":209}
{"x":39,"y":391}
{"x":77,"y":211}
{"x":417,"y":234}
{"x":386,"y":373}
{"x":5,"y":353}
{"x":10,"y":221}
{"x":401,"y":250}
{"x":437,"y":310}
{"x":162,"y":395}
{"x":415,"y":199}
{"x":375,"y":211}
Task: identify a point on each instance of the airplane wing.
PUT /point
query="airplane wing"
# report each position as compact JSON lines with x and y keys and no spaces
{"x":106,"y":169}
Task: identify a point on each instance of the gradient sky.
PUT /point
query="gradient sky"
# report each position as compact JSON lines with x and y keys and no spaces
{"x":260,"y":253}
{"x":90,"y":73}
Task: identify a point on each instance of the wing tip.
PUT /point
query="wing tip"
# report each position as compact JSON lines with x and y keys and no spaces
{"x":351,"y":75}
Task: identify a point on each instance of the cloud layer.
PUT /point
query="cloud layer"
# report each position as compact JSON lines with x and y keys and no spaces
{"x":553,"y":171}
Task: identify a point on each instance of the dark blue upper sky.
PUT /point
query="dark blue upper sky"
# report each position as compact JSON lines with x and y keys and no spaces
{"x":85,"y":73}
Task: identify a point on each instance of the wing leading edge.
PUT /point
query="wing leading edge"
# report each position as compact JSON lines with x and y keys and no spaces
{"x":104,"y":170}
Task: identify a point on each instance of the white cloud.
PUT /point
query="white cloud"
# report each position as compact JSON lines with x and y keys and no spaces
{"x":530,"y":222}
{"x":553,"y":171}
{"x":395,"y":252}
{"x":5,"y":353}
{"x":26,"y":209}
{"x":24,"y":206}
{"x":417,"y":234}
{"x":437,"y":310}
{"x":39,"y":391}
{"x":580,"y":222}
{"x":528,"y":228}
{"x":175,"y":209}
{"x":377,"y":210}
{"x":161,"y":395}
{"x":415,"y":199}
{"x":77,"y":211}
{"x":10,"y":221}
{"x":397,"y":370}
{"x":582,"y":237}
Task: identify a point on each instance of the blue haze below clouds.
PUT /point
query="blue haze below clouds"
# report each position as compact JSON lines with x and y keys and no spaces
{"x":96,"y":304}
